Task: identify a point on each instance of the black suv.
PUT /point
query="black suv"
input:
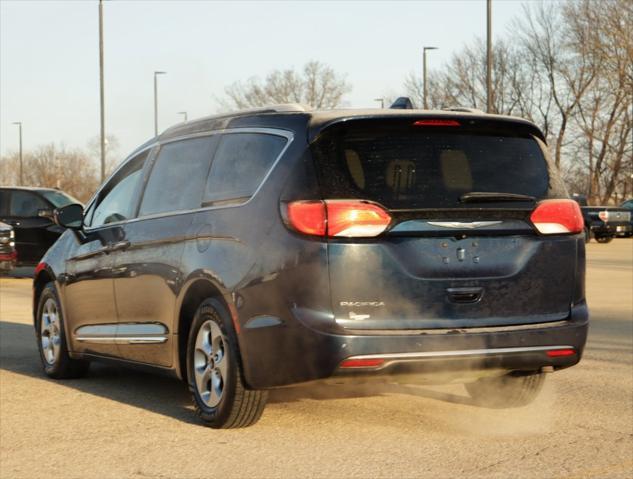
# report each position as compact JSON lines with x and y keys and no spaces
{"x":30,"y":211}
{"x":273,"y":247}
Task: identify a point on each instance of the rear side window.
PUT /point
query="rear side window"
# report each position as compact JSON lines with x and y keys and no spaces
{"x":26,"y":204}
{"x":178,"y":177}
{"x":240,"y":165}
{"x":428,"y":167}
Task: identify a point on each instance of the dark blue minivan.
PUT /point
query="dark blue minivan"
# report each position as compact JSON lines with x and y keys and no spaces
{"x":278,"y":246}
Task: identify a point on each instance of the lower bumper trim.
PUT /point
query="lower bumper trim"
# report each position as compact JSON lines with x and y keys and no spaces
{"x":471,"y":353}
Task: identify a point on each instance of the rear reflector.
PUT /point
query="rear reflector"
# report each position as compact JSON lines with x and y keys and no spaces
{"x":436,"y":122}
{"x":362,"y":363}
{"x":557,"y":217}
{"x":338,"y":218}
{"x":557,"y":353}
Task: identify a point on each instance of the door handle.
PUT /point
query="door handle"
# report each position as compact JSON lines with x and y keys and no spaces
{"x":119,"y":246}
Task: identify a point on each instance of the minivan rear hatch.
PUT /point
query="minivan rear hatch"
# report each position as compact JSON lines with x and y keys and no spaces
{"x":460,"y":250}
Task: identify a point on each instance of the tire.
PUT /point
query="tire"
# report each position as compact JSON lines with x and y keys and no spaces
{"x":214,"y":372}
{"x":604,"y":239}
{"x":51,"y":338}
{"x":511,"y":390}
{"x":587,"y":235}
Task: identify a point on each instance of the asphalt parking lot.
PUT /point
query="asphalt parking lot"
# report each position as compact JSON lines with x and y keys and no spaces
{"x":119,"y":423}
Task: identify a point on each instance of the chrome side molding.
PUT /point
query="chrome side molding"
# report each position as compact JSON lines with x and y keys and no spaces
{"x":467,"y":225}
{"x":124,"y":333}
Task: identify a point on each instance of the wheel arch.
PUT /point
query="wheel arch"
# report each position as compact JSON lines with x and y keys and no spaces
{"x":197,"y":289}
{"x":43,"y":276}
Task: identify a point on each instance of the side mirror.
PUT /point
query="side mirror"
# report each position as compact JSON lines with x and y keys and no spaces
{"x":69,"y":216}
{"x":45,"y":213}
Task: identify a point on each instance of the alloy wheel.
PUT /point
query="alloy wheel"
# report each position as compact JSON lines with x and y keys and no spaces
{"x":210,"y":363}
{"x":50,"y":332}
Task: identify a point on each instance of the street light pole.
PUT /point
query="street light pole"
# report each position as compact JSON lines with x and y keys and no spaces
{"x":101,"y":93}
{"x":156,"y":101}
{"x":382,"y":102}
{"x":489,"y":93}
{"x":19,"y":123}
{"x":184,"y":114}
{"x":424,"y":91}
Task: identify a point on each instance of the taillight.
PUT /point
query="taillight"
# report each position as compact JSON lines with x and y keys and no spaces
{"x":362,"y":363}
{"x":355,"y":218}
{"x":436,"y":122}
{"x":308,"y":217}
{"x":338,"y":218}
{"x":557,"y":353}
{"x":9,"y":256}
{"x":557,"y":217}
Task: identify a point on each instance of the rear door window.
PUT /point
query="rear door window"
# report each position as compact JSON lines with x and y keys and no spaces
{"x":240,"y":165}
{"x":178,"y":176}
{"x":406,"y":166}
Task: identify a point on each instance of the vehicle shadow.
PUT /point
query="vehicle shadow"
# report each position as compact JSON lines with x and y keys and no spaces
{"x":155,"y":392}
{"x":166,"y":395}
{"x":348,"y":391}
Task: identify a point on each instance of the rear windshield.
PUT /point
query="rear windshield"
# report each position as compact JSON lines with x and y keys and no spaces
{"x":427,"y":167}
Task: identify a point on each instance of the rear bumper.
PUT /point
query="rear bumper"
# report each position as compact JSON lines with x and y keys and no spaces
{"x":624,"y":230}
{"x":611,"y":229}
{"x":298,"y":352}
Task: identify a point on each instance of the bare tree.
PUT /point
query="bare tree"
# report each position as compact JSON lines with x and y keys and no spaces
{"x":568,"y":67}
{"x":54,"y":167}
{"x":112,"y":157}
{"x":601,"y":33}
{"x":463,"y":81}
{"x":316,"y":85}
{"x":548,"y":45}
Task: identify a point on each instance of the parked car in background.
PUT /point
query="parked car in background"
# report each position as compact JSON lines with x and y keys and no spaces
{"x":279,"y":246}
{"x":29,"y":210}
{"x":604,"y":222}
{"x":8,"y":255}
{"x":628,"y":205}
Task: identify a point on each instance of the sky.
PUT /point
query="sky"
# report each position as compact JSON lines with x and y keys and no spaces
{"x":49,"y":70}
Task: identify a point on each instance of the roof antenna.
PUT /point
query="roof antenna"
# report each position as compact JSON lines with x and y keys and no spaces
{"x":402,"y":103}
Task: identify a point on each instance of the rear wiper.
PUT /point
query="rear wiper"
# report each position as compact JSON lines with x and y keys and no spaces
{"x":489,"y":197}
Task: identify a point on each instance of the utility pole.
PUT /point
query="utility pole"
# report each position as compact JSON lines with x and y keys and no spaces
{"x":101,"y":93}
{"x":156,"y":101}
{"x":382,"y":102}
{"x":19,"y":123}
{"x":424,"y":93}
{"x":489,"y":92}
{"x":184,"y":114}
